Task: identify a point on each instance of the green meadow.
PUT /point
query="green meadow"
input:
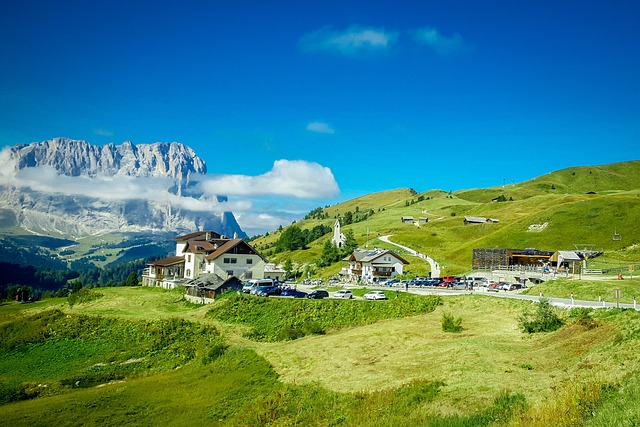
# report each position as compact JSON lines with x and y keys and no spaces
{"x":114,"y":360}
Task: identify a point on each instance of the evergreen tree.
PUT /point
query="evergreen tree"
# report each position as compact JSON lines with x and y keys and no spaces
{"x":350,"y":243}
{"x":288,"y":268}
{"x":329,"y":255}
{"x":132,"y":279}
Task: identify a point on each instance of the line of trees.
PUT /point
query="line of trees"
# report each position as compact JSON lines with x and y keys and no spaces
{"x":294,"y":238}
{"x":24,"y":283}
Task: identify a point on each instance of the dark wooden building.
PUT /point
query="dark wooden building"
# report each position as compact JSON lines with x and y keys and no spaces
{"x":484,"y":258}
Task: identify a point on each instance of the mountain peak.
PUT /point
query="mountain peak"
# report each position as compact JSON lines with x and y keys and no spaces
{"x":78,"y":157}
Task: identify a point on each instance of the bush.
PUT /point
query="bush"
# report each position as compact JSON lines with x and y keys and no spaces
{"x":582,"y":316}
{"x":543,"y":319}
{"x":450,"y":323}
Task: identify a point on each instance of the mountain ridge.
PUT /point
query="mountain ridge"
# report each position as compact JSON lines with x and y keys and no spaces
{"x":80,"y":215}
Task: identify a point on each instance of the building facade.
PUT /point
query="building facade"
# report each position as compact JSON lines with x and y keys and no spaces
{"x":370,"y":266}
{"x":205,"y":252}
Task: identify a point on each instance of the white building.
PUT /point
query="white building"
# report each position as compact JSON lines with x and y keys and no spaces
{"x":370,"y":266}
{"x":205,"y":252}
{"x":338,"y":238}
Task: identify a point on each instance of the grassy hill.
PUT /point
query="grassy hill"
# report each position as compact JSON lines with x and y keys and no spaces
{"x":139,"y":356}
{"x":579,"y":205}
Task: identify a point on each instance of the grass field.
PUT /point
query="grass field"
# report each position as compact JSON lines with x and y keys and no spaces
{"x":396,"y":371}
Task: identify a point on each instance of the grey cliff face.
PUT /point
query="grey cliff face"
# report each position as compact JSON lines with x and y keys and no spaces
{"x":73,"y":158}
{"x":78,"y":216}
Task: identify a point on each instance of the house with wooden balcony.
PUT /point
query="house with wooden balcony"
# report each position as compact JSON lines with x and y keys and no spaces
{"x":371,"y":266}
{"x":205,"y":252}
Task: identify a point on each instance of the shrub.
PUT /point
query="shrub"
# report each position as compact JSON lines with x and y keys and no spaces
{"x":450,"y":323}
{"x":543,"y":319}
{"x":213,"y":352}
{"x":582,"y":316}
{"x":311,"y":327}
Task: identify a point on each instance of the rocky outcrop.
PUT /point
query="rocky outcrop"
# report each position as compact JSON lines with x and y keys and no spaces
{"x":77,"y":216}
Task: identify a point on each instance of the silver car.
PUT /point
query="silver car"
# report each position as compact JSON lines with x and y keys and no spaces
{"x":343,"y":294}
{"x":374,"y":295}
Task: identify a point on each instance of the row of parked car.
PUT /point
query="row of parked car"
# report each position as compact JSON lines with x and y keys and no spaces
{"x":433,"y":281}
{"x":504,"y":286}
{"x":266,"y":288}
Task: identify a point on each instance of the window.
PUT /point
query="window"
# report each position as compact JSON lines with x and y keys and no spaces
{"x":230,"y":260}
{"x":229,"y":272}
{"x":234,"y":260}
{"x":248,"y":275}
{"x":226,"y":260}
{"x":188,"y":258}
{"x":249,"y":260}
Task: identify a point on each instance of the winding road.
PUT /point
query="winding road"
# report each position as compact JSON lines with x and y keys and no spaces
{"x":435,"y":267}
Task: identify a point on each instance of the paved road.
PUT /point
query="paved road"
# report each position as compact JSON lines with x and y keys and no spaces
{"x":558,"y":302}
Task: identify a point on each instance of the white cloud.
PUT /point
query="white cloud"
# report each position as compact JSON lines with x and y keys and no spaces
{"x":431,"y":37}
{"x":260,"y":203}
{"x":320,"y":127}
{"x":103,"y":132}
{"x":353,"y":40}
{"x":45,"y":179}
{"x":295,"y":178}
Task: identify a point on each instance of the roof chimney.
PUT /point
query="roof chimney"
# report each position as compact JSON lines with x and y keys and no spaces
{"x":235,"y":234}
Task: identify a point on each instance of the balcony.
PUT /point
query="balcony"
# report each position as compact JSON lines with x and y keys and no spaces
{"x":381,"y":273}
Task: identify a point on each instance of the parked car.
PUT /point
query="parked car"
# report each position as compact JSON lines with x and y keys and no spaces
{"x":392,"y":282}
{"x":503,"y":286}
{"x":265,"y":291}
{"x":493,"y":287}
{"x":251,"y":285}
{"x":293,"y":293}
{"x":343,"y":294}
{"x":375,"y":295}
{"x":318,"y":294}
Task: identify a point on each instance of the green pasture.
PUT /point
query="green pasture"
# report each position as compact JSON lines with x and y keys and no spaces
{"x":143,"y":356}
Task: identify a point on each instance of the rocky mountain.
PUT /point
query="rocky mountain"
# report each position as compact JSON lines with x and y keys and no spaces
{"x":87,"y":210}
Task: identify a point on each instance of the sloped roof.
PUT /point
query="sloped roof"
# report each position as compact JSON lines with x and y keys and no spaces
{"x":476,"y":219}
{"x":199,"y":246}
{"x":370,"y":256}
{"x":165,"y":262}
{"x":569,"y":256}
{"x":227,"y":246}
{"x":190,"y":236}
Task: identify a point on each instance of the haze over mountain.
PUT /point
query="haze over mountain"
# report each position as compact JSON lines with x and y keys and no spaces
{"x":73,"y":188}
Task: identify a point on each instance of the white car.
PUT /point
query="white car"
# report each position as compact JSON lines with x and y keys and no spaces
{"x":343,"y":294}
{"x":375,"y":295}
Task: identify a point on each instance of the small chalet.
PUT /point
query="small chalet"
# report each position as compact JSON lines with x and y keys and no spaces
{"x":479,"y":220}
{"x":205,"y":252}
{"x":207,"y":286}
{"x":274,"y":272}
{"x":407,"y":220}
{"x":567,"y":260}
{"x":373,"y":265}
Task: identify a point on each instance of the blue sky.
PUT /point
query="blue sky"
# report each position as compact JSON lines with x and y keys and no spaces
{"x":379,"y":94}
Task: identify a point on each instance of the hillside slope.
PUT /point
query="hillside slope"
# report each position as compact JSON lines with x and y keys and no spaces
{"x":574,"y":206}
